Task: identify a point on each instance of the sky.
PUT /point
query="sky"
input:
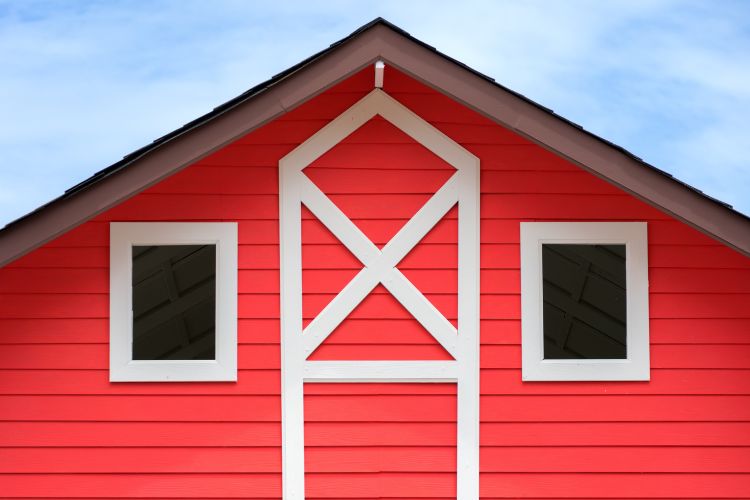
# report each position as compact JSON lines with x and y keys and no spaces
{"x":83,"y":83}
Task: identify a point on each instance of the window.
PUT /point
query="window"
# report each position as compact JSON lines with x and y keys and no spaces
{"x":584,"y":300}
{"x":173,"y":301}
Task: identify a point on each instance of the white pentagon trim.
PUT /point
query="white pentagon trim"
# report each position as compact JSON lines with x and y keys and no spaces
{"x":634,"y":236}
{"x":380,"y":267}
{"x":123,"y":236}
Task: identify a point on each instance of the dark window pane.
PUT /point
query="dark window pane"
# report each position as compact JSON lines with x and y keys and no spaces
{"x":584,"y":301}
{"x":174,"y":302}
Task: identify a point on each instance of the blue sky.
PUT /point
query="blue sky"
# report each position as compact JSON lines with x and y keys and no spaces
{"x":83,"y":83}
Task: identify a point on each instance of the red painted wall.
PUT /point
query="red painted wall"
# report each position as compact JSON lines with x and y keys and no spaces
{"x":65,"y":431}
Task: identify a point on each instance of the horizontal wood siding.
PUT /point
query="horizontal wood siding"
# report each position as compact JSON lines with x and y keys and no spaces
{"x":66,"y":432}
{"x":400,"y":447}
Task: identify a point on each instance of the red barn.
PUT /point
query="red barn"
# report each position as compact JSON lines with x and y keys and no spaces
{"x":377,"y":275}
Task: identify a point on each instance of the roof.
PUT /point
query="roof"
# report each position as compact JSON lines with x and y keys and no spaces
{"x":376,"y":40}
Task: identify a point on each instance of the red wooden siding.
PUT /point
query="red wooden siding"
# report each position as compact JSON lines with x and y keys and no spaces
{"x":397,"y":449}
{"x":65,"y":431}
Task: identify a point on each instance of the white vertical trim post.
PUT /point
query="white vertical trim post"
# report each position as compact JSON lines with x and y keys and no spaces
{"x":467,"y":443}
{"x":462,"y":343}
{"x":292,"y":391}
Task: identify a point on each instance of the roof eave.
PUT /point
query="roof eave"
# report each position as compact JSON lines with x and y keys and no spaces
{"x":153,"y":164}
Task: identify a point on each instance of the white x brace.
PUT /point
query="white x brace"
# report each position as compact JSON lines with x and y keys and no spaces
{"x":379,"y":266}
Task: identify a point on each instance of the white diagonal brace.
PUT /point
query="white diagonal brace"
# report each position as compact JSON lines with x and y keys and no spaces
{"x":422,"y":309}
{"x":380,"y":266}
{"x":338,"y":309}
{"x":337,"y":222}
{"x":423,"y":221}
{"x":427,"y":135}
{"x":355,"y":292}
{"x":333,"y":133}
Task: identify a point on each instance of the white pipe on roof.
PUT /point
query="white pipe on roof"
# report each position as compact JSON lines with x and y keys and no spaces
{"x":379,"y":71}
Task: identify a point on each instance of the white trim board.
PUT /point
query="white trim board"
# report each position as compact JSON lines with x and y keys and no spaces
{"x":631,"y":234}
{"x":380,"y":267}
{"x":125,"y":235}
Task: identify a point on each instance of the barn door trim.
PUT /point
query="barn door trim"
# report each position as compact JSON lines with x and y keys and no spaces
{"x":462,"y":343}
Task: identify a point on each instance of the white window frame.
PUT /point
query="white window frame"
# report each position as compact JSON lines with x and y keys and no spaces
{"x":631,"y":234}
{"x":125,"y":235}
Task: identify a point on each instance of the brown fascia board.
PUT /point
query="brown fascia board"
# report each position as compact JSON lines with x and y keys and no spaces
{"x":570,"y":142}
{"x":379,"y":41}
{"x":66,"y":213}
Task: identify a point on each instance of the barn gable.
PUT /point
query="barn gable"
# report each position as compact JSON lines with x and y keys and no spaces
{"x":66,"y":431}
